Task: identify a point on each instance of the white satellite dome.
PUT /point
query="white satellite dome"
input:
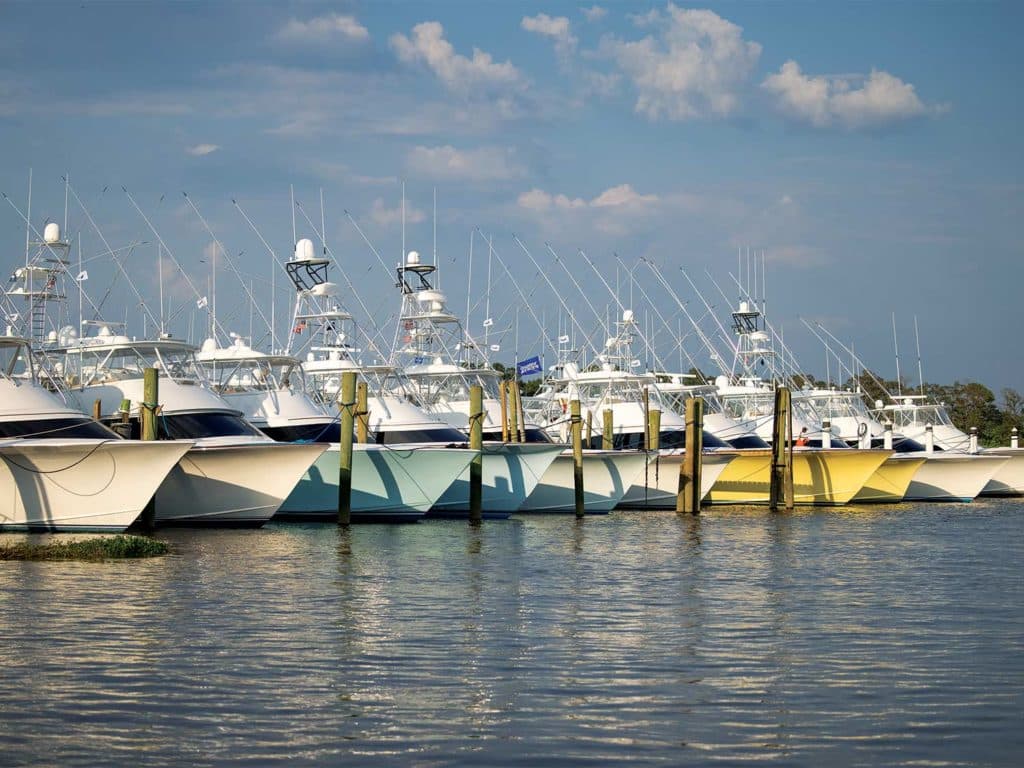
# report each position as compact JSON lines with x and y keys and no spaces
{"x":51,"y":233}
{"x":209,"y":345}
{"x":627,"y":316}
{"x":722,"y":381}
{"x":413,"y":259}
{"x":324,"y":289}
{"x":304,"y":249}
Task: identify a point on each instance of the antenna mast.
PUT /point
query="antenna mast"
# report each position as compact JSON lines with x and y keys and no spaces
{"x":917,"y":338}
{"x":895,"y":344}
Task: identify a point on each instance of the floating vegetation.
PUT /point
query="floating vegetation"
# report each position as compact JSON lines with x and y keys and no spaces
{"x":109,"y":548}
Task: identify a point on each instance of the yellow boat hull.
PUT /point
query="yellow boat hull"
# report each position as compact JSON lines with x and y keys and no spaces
{"x":890,"y":482}
{"x":819,"y":476}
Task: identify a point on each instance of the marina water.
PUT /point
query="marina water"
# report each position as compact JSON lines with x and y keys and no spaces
{"x":863,"y":636}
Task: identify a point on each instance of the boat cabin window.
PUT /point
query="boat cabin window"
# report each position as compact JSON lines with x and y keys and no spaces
{"x":59,"y":428}
{"x":438,"y":434}
{"x":328,"y":432}
{"x":186,"y":426}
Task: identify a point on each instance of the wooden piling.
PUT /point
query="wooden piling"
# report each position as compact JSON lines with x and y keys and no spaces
{"x":147,"y":415}
{"x":97,"y":409}
{"x":647,"y":419}
{"x":347,"y":406}
{"x":654,"y":428}
{"x":522,"y":413}
{"x":362,"y":414}
{"x":590,"y":428}
{"x":577,"y":455}
{"x":608,"y":435}
{"x":781,"y":488}
{"x":688,"y":496}
{"x":503,"y":393}
{"x":476,"y":443}
{"x":513,"y":389}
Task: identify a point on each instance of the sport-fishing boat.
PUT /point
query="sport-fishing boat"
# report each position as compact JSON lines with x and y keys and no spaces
{"x":441,"y":362}
{"x":389,"y":483}
{"x":613,"y":384}
{"x":234,"y":475}
{"x":62,"y":471}
{"x":913,"y":472}
{"x":929,"y":423}
{"x":825,"y":470}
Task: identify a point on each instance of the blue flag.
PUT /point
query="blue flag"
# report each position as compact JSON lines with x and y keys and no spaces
{"x":529,"y":367}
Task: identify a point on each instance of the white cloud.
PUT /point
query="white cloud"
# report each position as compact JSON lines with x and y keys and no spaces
{"x":427,"y":45}
{"x":539,"y":200}
{"x":622,"y":197}
{"x":692,"y":66}
{"x":556,"y":28}
{"x":447,"y":162}
{"x":852,"y":101}
{"x":382,"y":215}
{"x":199,"y":150}
{"x":324,"y":29}
{"x":594,"y":13}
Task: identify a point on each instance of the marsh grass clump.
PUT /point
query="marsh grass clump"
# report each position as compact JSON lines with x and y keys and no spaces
{"x":108,"y":548}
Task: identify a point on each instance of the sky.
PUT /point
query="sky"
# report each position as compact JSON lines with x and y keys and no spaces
{"x":870,"y":151}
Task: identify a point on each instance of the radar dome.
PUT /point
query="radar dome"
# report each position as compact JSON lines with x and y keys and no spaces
{"x":304,"y":249}
{"x":722,"y":381}
{"x":413,"y":259}
{"x":627,"y":316}
{"x":209,"y":345}
{"x":51,"y":233}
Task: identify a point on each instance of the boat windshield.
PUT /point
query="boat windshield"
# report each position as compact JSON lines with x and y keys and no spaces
{"x":58,"y":428}
{"x":255,"y":375}
{"x":192,"y":426}
{"x":916,"y":415}
{"x":454,"y":387}
{"x":101,"y":364}
{"x":15,"y":361}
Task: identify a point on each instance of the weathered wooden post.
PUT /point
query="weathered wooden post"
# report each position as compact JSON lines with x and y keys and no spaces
{"x":97,"y":409}
{"x":147,"y":415}
{"x":781,"y":488}
{"x":347,"y":406}
{"x":577,"y":455}
{"x":362,"y":414}
{"x":654,"y":428}
{"x":608,"y":435}
{"x":647,"y":419}
{"x":688,"y":496}
{"x":503,"y":394}
{"x":513,"y":388}
{"x":522,"y":413}
{"x":590,"y":427}
{"x":476,"y":443}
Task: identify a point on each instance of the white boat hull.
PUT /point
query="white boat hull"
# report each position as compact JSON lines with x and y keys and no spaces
{"x":1009,"y":478}
{"x":660,"y":488}
{"x":389,"y":483}
{"x":232,"y":484}
{"x":511,"y":472}
{"x":607,"y":475}
{"x":948,"y":476}
{"x":81,"y":485}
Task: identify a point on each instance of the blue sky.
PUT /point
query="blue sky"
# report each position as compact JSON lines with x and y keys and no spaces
{"x":871,"y":150}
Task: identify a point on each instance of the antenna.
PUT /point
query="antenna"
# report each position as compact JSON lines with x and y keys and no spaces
{"x":402,"y":260}
{"x":899,"y":381}
{"x":291,"y":191}
{"x":435,"y":226}
{"x":917,"y":338}
{"x":469,"y":278}
{"x":323,"y":226}
{"x":160,"y":279}
{"x":28,"y":217}
{"x":487,"y":304}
